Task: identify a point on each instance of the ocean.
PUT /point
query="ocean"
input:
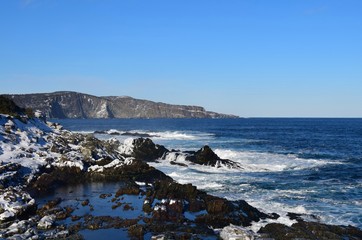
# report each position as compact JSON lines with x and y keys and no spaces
{"x":304,"y":165}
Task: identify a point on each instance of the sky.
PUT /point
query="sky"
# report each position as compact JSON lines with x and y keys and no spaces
{"x":252,"y":58}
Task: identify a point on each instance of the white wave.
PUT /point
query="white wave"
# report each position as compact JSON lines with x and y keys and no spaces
{"x":175,"y":157}
{"x":161,"y":135}
{"x":83,"y":132}
{"x":262,"y":162}
{"x":178,"y":135}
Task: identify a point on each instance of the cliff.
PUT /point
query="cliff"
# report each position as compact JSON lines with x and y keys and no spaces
{"x":79,"y":105}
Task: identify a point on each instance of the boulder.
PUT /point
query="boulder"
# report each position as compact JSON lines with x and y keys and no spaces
{"x":205,"y":156}
{"x":146,"y":150}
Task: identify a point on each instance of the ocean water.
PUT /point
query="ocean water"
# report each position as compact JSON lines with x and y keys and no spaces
{"x":307,"y":166}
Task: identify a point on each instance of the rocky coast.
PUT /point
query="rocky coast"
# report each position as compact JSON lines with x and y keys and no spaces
{"x":39,"y":157}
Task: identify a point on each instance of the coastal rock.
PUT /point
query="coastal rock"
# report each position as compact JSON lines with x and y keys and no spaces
{"x":205,"y":156}
{"x":46,"y":222}
{"x":130,"y":188}
{"x":233,"y":232}
{"x":163,"y":206}
{"x":146,"y":150}
{"x":15,"y":203}
{"x":310,"y":230}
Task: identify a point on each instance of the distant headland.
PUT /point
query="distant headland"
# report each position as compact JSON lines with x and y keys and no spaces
{"x":68,"y":104}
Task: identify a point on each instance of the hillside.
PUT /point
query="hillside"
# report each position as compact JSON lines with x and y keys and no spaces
{"x":79,"y":105}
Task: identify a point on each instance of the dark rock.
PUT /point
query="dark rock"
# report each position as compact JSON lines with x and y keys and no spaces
{"x":172,"y":190}
{"x":136,"y":232}
{"x":104,"y":195}
{"x":75,"y":218}
{"x":100,"y":132}
{"x":295,"y":216}
{"x":104,"y":161}
{"x":51,"y":204}
{"x":136,"y":134}
{"x":146,"y":150}
{"x":85,"y":203}
{"x":310,"y":230}
{"x":127,"y":207}
{"x":58,"y":176}
{"x":114,"y":133}
{"x":130,"y":188}
{"x":205,"y":156}
{"x":217,"y":206}
{"x":118,"y":204}
{"x":179,"y":164}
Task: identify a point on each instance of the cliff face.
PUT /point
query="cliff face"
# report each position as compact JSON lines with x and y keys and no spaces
{"x":79,"y":105}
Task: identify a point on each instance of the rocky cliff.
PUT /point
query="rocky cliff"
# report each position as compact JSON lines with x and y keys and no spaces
{"x":79,"y":105}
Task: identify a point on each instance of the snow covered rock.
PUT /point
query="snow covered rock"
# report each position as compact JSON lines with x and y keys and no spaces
{"x":233,"y":232}
{"x":15,"y":202}
{"x":46,"y":222}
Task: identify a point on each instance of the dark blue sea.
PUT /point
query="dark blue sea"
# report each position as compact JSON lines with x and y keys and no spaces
{"x":307,"y":166}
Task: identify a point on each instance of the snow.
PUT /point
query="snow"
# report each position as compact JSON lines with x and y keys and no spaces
{"x":46,"y":222}
{"x":127,"y":147}
{"x":159,"y":208}
{"x":14,"y":201}
{"x":172,"y":201}
{"x":233,"y":232}
{"x":114,"y":164}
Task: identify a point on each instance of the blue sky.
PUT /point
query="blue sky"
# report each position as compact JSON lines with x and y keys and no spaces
{"x":256,"y":58}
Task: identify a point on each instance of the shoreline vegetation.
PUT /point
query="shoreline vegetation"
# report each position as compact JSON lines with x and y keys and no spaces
{"x":37,"y":157}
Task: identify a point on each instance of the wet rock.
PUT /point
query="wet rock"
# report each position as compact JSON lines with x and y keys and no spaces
{"x":127,"y":207}
{"x":51,"y":204}
{"x":179,"y":164}
{"x":100,"y":132}
{"x":104,"y":195}
{"x":172,"y":190}
{"x":118,"y":204}
{"x":75,"y":218}
{"x":146,"y":150}
{"x":130,"y":189}
{"x":137,"y":134}
{"x":310,"y":230}
{"x":295,"y":216}
{"x":205,"y":156}
{"x":58,"y":176}
{"x":136,"y":231}
{"x":85,"y":203}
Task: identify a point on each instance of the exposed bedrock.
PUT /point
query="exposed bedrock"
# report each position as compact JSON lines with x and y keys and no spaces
{"x":145,"y":149}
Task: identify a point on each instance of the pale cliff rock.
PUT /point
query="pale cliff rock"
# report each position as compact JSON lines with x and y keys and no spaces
{"x":79,"y":105}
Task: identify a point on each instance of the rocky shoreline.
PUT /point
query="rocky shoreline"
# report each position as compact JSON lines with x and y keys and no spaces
{"x":37,"y":157}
